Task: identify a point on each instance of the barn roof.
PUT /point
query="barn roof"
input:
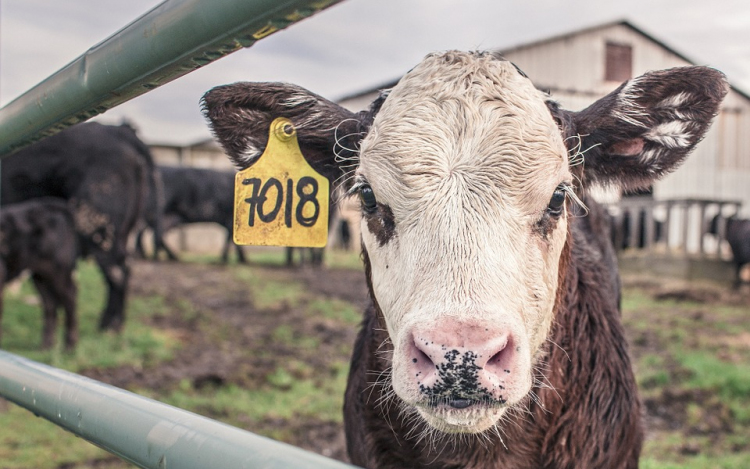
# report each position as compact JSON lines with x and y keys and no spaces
{"x":560,"y":37}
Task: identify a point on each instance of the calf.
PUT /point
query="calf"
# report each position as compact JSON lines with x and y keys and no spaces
{"x":738,"y":237}
{"x":493,"y":338}
{"x":195,"y":195}
{"x":39,"y":236}
{"x":106,"y":173}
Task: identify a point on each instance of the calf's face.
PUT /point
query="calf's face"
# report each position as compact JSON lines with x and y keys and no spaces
{"x":463,"y":178}
{"x":466,"y":175}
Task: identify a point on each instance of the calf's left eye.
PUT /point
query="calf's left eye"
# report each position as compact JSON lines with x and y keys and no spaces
{"x":557,"y":202}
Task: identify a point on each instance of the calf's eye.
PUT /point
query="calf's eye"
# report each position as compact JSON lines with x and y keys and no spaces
{"x":367,"y":196}
{"x":557,"y":202}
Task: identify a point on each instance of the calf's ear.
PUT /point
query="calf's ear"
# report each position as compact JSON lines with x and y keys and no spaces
{"x":646,"y":127}
{"x":240,"y":116}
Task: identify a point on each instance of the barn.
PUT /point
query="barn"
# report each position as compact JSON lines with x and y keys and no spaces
{"x":581,"y":66}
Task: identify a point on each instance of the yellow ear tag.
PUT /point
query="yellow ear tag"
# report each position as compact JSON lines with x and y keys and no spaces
{"x":281,"y":200}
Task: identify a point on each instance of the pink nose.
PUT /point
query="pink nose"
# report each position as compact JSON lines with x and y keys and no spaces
{"x":458,"y":363}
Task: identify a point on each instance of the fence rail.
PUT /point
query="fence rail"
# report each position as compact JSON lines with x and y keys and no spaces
{"x":142,"y":431}
{"x":676,"y":226}
{"x":171,"y":40}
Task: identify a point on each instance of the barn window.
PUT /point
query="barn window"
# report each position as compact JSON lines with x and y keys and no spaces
{"x":619,"y":62}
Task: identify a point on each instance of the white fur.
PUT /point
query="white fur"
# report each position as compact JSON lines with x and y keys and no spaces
{"x":467,"y":156}
{"x":673,"y":134}
{"x":673,"y":102}
{"x":249,"y":154}
{"x":630,"y":111}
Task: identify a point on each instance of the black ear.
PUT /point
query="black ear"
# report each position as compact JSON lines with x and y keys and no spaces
{"x":646,"y":127}
{"x":240,"y":116}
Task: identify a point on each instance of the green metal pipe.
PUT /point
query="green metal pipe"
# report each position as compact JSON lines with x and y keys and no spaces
{"x":175,"y":38}
{"x":142,"y":431}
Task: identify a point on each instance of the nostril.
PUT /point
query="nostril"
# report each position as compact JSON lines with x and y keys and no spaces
{"x":422,"y":366}
{"x":420,"y":358}
{"x":501,"y":360}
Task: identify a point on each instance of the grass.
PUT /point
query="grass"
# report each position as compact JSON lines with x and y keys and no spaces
{"x":28,"y":442}
{"x":139,"y":344}
{"x":283,"y":396}
{"x":294,"y":391}
{"x":698,"y":371}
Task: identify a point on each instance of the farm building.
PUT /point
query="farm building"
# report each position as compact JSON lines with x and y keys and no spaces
{"x":579,"y":67}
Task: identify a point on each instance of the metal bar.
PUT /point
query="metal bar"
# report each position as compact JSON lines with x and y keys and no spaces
{"x":649,"y":227}
{"x":702,"y":229}
{"x":668,"y":225}
{"x":142,"y":431}
{"x":171,"y":40}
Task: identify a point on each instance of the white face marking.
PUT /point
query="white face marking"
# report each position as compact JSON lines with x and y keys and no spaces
{"x":466,"y":155}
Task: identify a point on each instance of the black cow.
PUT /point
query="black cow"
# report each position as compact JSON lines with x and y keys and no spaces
{"x":738,"y":237}
{"x":39,"y":236}
{"x":105,"y":172}
{"x":194,"y":195}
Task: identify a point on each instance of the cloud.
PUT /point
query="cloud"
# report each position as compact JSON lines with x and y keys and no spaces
{"x":354,"y":45}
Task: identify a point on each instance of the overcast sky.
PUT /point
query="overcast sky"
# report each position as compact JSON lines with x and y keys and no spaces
{"x":355,"y":45}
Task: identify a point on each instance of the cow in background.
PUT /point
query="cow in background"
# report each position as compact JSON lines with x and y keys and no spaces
{"x":105,"y":173}
{"x":737,"y":234}
{"x":194,"y":195}
{"x":39,"y":235}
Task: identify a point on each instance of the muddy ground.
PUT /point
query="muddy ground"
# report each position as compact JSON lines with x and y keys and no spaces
{"x":212,"y":293}
{"x":216,"y":294}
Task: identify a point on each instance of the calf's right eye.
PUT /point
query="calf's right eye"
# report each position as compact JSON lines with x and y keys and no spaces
{"x":367,"y":196}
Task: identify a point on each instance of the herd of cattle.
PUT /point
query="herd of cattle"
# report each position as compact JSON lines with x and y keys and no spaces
{"x":81,"y":193}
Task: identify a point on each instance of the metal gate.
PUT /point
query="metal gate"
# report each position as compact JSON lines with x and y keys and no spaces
{"x":171,"y":40}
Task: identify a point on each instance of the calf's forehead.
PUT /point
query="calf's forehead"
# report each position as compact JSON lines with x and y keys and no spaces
{"x":469,"y":116}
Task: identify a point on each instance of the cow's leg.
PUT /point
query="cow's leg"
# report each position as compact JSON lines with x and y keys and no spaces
{"x":289,"y":257}
{"x":225,"y":249}
{"x":161,"y":245}
{"x":240,"y":254}
{"x":317,"y":256}
{"x":117,"y":274}
{"x":228,"y":243}
{"x":104,"y":224}
{"x":49,"y":304}
{"x":67,"y":292}
{"x":167,"y":223}
{"x":737,"y":276}
{"x":139,"y":251}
